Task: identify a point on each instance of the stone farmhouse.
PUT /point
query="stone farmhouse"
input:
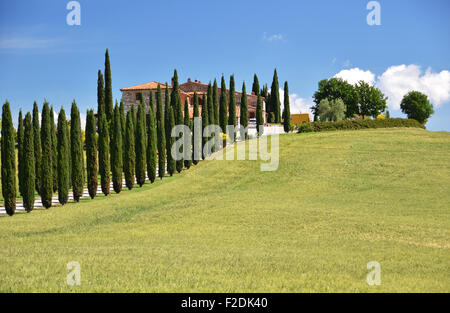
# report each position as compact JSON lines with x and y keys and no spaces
{"x":133,"y":94}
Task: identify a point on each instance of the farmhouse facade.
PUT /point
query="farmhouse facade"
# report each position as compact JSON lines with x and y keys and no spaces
{"x":132,"y":95}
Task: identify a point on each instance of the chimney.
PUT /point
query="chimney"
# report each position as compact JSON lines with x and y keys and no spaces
{"x":189,"y":80}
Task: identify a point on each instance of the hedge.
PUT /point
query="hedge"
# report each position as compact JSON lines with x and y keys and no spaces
{"x":358,"y":124}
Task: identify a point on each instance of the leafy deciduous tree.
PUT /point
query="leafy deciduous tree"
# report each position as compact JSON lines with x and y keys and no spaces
{"x":417,"y":106}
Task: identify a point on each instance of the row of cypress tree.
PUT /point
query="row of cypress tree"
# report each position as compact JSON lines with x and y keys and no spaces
{"x":51,"y":158}
{"x":45,"y":152}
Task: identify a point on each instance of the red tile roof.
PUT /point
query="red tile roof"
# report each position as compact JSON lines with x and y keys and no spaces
{"x":146,"y":86}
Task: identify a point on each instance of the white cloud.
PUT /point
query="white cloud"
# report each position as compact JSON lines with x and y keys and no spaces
{"x":398,"y":80}
{"x":273,"y":37}
{"x":26,"y":43}
{"x":297,"y":104}
{"x":354,"y":75}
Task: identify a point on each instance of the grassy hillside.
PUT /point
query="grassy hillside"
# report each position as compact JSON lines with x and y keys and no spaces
{"x":338,"y":201}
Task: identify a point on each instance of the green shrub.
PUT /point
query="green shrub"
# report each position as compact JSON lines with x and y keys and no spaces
{"x":358,"y":124}
{"x":305,"y":128}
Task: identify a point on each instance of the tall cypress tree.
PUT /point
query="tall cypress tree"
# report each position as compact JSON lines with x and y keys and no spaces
{"x":54,"y":150}
{"x":8,"y":166}
{"x":232,"y":106}
{"x":108,"y":89}
{"x":37,"y":147}
{"x":205,"y":123}
{"x":76,"y":149}
{"x":210,"y":108}
{"x":243,"y":119}
{"x":265,"y":94}
{"x":168,"y":130}
{"x":259,"y":116}
{"x":123,"y":123}
{"x":287,"y":109}
{"x":103,"y":155}
{"x":69,"y":151}
{"x":223,"y":114}
{"x":171,"y":125}
{"x":47,"y":157}
{"x":28,"y":165}
{"x":133,"y":116}
{"x":116,"y":151}
{"x":187,"y":138}
{"x":275,"y":98}
{"x":215,"y":96}
{"x":196,"y":130}
{"x":255,"y":86}
{"x":63,"y":159}
{"x":20,"y":134}
{"x":151,"y":142}
{"x":161,"y":134}
{"x":141,"y":136}
{"x":100,"y":97}
{"x":129,"y":160}
{"x":91,"y":154}
{"x":175,"y":101}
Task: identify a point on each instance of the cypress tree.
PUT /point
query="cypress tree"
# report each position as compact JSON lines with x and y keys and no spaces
{"x":63,"y":159}
{"x":28,"y":165}
{"x":129,"y":160}
{"x":37,"y":147}
{"x":108,"y":89}
{"x":187,"y":138}
{"x":8,"y":166}
{"x":287,"y":109}
{"x":161,"y":134}
{"x":205,"y":123}
{"x":116,"y":151}
{"x":133,"y":116}
{"x":223,"y":114}
{"x":255,"y":87}
{"x":215,"y":96}
{"x":100,"y":97}
{"x":259,"y":116}
{"x":141,"y":136}
{"x":265,"y":95}
{"x":243,"y":119}
{"x":175,"y":101}
{"x":196,"y":146}
{"x":275,"y":98}
{"x":123,"y":123}
{"x":69,"y":151}
{"x":151,"y":142}
{"x":76,"y":150}
{"x":168,"y":130}
{"x":20,"y":134}
{"x":103,"y":156}
{"x":91,"y":154}
{"x":47,"y":157}
{"x":171,"y":125}
{"x":210,"y":108}
{"x":210,"y":105}
{"x":232,"y":106}
{"x":54,"y":150}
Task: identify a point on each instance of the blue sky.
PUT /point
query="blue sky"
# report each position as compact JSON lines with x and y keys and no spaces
{"x":43,"y":57}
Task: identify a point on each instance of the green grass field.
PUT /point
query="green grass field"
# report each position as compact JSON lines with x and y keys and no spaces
{"x":338,"y":201}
